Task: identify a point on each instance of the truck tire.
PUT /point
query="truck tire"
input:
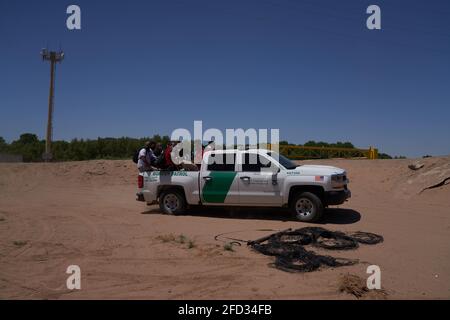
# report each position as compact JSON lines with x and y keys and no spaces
{"x":307,"y":207}
{"x":172,"y":202}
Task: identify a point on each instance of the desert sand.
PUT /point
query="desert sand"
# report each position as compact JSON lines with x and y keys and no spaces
{"x":85,"y":213}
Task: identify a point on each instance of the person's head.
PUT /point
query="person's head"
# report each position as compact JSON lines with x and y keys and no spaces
{"x":158,"y":146}
{"x":150,"y":145}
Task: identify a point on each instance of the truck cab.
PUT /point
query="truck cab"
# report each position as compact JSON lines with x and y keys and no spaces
{"x":252,"y":178}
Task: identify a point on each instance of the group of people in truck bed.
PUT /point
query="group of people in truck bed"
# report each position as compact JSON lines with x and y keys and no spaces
{"x":153,"y":157}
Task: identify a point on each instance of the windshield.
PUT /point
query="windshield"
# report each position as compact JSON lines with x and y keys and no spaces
{"x":285,"y":162}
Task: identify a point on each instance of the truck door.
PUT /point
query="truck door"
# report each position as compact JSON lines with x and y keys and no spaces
{"x":218,"y":179}
{"x":256,"y":185}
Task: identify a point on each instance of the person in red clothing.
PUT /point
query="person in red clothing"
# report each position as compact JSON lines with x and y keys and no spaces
{"x":168,"y":163}
{"x":167,"y":156}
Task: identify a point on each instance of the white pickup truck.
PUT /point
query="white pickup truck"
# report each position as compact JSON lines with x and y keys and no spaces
{"x":240,"y":181}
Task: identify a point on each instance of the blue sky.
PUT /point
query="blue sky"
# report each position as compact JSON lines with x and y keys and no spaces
{"x":308,"y":67}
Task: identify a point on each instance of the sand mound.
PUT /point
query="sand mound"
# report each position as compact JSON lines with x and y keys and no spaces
{"x":433,"y":172}
{"x":92,"y":173}
{"x":394,"y":178}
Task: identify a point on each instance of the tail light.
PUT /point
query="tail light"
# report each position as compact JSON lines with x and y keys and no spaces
{"x":140,"y":181}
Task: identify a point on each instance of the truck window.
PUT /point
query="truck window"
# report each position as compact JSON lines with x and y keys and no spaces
{"x":226,"y":162}
{"x":285,"y":162}
{"x":249,"y":164}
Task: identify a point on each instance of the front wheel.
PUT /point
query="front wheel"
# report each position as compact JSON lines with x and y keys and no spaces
{"x":172,"y":202}
{"x":307,"y":207}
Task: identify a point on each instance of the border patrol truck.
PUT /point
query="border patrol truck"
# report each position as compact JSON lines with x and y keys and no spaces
{"x":254,"y":177}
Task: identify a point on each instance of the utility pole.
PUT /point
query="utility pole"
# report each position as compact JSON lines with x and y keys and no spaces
{"x":53,"y":57}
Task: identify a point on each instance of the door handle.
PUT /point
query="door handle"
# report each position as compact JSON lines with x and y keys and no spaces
{"x":208,"y":178}
{"x":245,"y":178}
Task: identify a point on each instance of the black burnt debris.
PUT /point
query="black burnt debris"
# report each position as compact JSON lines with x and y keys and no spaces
{"x":288,"y":247}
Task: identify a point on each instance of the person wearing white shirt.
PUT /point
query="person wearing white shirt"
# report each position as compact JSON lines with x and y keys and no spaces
{"x":146,"y":157}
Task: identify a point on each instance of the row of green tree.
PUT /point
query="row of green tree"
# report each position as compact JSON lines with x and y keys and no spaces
{"x":32,"y":149}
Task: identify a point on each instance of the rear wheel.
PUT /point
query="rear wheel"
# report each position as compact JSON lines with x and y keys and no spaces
{"x":172,"y":202}
{"x":307,"y":207}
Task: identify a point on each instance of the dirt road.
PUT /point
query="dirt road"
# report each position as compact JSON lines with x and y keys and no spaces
{"x":84,"y":213}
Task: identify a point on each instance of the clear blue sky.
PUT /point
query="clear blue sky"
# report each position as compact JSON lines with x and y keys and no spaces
{"x":309,"y":67}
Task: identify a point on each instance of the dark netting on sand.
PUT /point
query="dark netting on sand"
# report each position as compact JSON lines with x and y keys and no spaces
{"x":289,"y":247}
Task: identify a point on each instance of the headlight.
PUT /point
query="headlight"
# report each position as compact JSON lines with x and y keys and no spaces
{"x":338,"y":180}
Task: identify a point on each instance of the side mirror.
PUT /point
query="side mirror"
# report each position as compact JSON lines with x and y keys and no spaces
{"x":276,"y":171}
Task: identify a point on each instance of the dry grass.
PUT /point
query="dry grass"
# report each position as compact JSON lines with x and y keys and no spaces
{"x":191,"y":244}
{"x":181,"y":239}
{"x":228,"y":246}
{"x":356,"y":286}
{"x":166,"y":238}
{"x":20,"y":243}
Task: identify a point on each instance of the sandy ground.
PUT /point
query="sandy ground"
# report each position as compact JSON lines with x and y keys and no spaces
{"x":85,"y":213}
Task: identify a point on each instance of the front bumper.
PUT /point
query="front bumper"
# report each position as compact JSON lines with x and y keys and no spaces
{"x":336,"y":197}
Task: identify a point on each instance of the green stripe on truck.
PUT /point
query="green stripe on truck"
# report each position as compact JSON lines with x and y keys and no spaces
{"x":216,"y":190}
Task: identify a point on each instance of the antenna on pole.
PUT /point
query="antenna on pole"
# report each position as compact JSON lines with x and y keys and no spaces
{"x":53,"y":57}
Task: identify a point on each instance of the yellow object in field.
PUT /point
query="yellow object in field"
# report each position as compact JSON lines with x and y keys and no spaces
{"x":308,"y":152}
{"x":373,"y":153}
